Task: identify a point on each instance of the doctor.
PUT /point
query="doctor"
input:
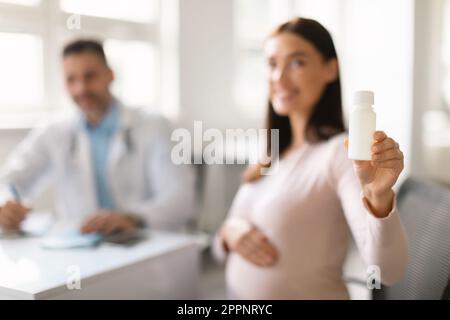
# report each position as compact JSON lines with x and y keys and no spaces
{"x":110,"y":165}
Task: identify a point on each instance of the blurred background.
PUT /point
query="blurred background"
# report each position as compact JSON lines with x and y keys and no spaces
{"x":202,"y":60}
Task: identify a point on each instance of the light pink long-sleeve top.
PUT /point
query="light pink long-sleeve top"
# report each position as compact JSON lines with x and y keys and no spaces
{"x":308,"y":208}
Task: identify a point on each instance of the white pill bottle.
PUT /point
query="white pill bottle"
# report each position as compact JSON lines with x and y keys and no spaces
{"x":362,"y":125}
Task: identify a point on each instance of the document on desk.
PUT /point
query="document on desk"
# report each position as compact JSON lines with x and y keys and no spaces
{"x":71,"y":239}
{"x":75,"y":239}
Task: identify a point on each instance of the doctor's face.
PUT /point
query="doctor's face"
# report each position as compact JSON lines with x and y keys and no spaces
{"x":298,"y":73}
{"x":87,"y":80}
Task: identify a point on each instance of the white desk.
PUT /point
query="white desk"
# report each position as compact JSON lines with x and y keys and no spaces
{"x":164,"y":266}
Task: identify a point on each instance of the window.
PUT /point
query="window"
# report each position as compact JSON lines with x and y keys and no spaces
{"x":253,"y":21}
{"x":143,"y":11}
{"x":134,"y":65}
{"x":22,"y":2}
{"x":33,"y":32}
{"x":29,"y":64}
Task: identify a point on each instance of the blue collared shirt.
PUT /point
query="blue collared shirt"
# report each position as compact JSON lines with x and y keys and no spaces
{"x":100,"y":138}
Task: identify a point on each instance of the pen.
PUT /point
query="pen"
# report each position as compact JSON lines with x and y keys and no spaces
{"x":15,"y":193}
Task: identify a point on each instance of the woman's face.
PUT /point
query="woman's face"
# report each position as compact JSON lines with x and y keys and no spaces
{"x":298,"y":73}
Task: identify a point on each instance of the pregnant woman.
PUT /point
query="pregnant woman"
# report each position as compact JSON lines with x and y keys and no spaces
{"x":287,"y":233}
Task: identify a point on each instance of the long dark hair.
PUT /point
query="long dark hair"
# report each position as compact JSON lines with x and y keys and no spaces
{"x":326,"y":119}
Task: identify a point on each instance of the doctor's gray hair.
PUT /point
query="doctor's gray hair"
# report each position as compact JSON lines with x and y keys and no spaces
{"x":83,"y":46}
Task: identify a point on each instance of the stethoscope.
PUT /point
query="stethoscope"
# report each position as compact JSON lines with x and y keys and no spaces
{"x":127,"y":136}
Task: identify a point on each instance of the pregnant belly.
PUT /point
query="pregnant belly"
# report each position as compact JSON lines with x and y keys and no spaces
{"x":280,"y":281}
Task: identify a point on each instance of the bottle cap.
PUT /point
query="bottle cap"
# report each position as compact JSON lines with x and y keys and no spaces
{"x":363,"y":97}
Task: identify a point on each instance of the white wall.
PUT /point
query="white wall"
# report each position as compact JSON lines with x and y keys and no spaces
{"x":206,"y":62}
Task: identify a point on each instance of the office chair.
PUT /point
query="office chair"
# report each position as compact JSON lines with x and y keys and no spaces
{"x":425,"y":212}
{"x":446,"y":294}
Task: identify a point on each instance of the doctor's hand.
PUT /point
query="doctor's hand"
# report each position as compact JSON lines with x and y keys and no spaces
{"x":378,"y":176}
{"x":12,"y":213}
{"x":248,"y":241}
{"x":108,"y":222}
